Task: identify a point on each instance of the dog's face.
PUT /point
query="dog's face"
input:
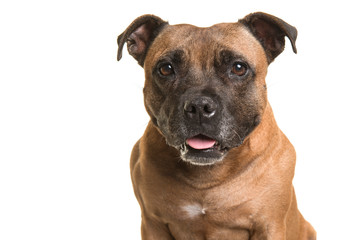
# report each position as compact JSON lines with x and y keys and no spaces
{"x":205,"y":87}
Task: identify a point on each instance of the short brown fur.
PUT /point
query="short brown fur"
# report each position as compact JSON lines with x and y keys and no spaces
{"x":249,"y":193}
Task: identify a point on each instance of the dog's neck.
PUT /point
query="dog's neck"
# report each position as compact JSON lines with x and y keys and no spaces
{"x":256,"y":146}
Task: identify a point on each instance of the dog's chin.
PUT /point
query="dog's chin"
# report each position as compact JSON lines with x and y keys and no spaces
{"x":203,"y":157}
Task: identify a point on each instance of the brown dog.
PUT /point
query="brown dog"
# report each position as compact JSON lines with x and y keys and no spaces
{"x":212,"y":163}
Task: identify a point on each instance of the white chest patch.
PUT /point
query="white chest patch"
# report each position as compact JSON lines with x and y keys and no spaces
{"x":194,"y":210}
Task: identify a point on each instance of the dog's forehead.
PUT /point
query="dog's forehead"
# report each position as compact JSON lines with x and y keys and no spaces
{"x":234,"y":37}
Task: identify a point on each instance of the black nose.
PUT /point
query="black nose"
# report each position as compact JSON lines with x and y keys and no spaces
{"x":200,"y":109}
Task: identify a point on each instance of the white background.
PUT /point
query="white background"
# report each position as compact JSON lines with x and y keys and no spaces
{"x":70,"y":113}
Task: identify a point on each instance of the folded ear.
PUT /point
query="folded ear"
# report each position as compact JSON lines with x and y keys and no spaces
{"x":271,"y":32}
{"x":139,"y":35}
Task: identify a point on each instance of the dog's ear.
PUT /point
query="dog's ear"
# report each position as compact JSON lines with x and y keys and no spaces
{"x":139,"y":35}
{"x":271,"y":32}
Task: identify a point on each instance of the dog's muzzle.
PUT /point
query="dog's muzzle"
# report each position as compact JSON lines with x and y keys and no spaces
{"x":201,"y":115}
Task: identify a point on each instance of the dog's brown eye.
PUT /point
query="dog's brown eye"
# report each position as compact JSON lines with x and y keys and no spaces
{"x":166,"y":69}
{"x":239,"y":68}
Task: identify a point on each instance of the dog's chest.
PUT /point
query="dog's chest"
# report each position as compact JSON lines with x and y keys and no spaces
{"x":193,"y":211}
{"x":211,"y":216}
{"x":194,"y":221}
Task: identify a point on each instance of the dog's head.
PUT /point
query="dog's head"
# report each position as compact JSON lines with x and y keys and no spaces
{"x":205,"y":87}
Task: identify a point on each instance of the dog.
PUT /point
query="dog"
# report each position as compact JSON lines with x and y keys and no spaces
{"x":212,"y":163}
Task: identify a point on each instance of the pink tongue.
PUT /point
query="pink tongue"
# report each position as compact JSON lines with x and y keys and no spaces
{"x":200,"y":142}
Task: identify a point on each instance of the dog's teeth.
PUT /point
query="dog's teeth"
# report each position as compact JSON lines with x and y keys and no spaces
{"x":182,"y":147}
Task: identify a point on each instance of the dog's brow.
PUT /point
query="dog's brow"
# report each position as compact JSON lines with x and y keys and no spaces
{"x":175,"y":56}
{"x":226,"y":56}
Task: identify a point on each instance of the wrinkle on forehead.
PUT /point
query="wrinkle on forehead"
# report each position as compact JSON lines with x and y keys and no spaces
{"x":200,"y":44}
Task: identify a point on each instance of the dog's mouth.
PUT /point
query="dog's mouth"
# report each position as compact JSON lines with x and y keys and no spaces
{"x":202,"y":150}
{"x":201,"y":142}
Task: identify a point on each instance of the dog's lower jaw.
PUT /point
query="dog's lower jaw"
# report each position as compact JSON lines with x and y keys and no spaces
{"x":214,"y":156}
{"x":201,"y":161}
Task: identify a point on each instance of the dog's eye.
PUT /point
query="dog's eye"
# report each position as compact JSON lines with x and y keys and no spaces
{"x":166,"y":69}
{"x":239,"y":69}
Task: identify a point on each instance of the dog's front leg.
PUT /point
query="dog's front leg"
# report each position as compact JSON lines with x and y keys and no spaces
{"x":276,"y":232}
{"x":270,"y":232}
{"x":154,"y":230}
{"x":280,"y":235}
